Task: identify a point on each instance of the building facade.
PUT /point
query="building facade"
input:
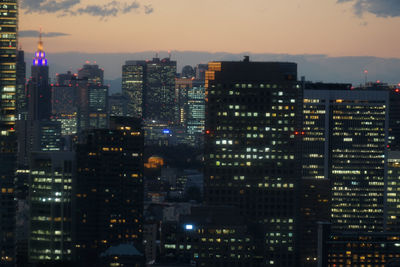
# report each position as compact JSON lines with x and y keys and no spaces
{"x":50,"y":188}
{"x":8,"y":61}
{"x":109,"y":189}
{"x":251,"y":150}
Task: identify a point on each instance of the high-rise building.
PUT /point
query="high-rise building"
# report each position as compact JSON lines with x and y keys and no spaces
{"x":92,"y":73}
{"x":182,"y":87}
{"x":346,"y":132}
{"x":8,"y":61}
{"x":195,"y":112}
{"x":92,"y":98}
{"x":251,"y":150}
{"x":149,"y":87}
{"x":160,"y":90}
{"x":109,"y":189}
{"x":392,"y":214}
{"x":50,"y":189}
{"x":117,"y":105}
{"x":39,"y":90}
{"x":22,"y":101}
{"x":65,"y":106}
{"x":65,"y":78}
{"x":134,"y":87}
{"x":201,"y":71}
{"x":8,"y":38}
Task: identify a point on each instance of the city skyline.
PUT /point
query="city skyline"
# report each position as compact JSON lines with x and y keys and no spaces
{"x":334,"y":28}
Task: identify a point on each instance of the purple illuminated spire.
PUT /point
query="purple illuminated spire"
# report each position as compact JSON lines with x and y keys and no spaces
{"x":40,"y":56}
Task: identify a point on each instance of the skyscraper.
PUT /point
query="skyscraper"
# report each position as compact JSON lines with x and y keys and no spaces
{"x":22,"y":101}
{"x":92,"y":73}
{"x":39,"y":91}
{"x":8,"y":61}
{"x":196,"y":112}
{"x":92,"y":98}
{"x":9,"y":16}
{"x":251,"y":150}
{"x":50,"y":188}
{"x":109,"y":189}
{"x":134,"y":86}
{"x":346,"y":132}
{"x":160,"y":90}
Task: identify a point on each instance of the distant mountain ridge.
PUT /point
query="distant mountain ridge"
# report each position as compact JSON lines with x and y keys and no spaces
{"x":313,"y":67}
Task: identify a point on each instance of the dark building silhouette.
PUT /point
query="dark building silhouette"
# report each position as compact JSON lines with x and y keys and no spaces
{"x":160,"y":90}
{"x":209,"y":236}
{"x":21,"y":98}
{"x":92,"y":73}
{"x":108,"y":189}
{"x":253,"y":110}
{"x":188,"y":72}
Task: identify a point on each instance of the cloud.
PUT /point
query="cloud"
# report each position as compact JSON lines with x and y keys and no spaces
{"x":48,"y":6}
{"x":78,"y":7}
{"x":380,"y":8}
{"x":148,"y":9}
{"x":33,"y":33}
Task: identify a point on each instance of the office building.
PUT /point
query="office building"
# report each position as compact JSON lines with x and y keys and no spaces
{"x":134,"y":87}
{"x":117,"y":104}
{"x":209,"y":236}
{"x":251,"y":150}
{"x":50,"y":206}
{"x":92,"y":73}
{"x":200,"y":70}
{"x":92,"y":106}
{"x":8,"y":61}
{"x":392,"y":214}
{"x":109,"y":189}
{"x":21,"y":97}
{"x":65,"y":106}
{"x":357,"y":248}
{"x":195,"y":113}
{"x":346,"y":137}
{"x":182,"y":87}
{"x":65,"y":109}
{"x":160,"y":90}
{"x":65,"y":78}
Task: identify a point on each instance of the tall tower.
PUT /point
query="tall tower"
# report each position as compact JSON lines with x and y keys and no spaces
{"x":109,"y":189}
{"x":251,"y":150}
{"x":8,"y":61}
{"x":39,"y":92}
{"x":133,"y":87}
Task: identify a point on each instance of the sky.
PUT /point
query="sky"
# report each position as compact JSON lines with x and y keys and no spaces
{"x":330,"y":27}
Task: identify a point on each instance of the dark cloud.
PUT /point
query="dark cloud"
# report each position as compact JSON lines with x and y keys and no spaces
{"x":381,"y":8}
{"x":33,"y":33}
{"x":148,"y":9}
{"x":48,"y":6}
{"x":78,"y":7}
